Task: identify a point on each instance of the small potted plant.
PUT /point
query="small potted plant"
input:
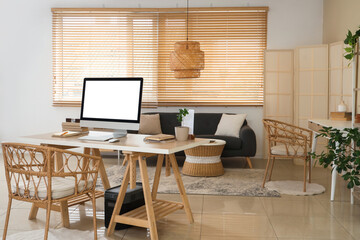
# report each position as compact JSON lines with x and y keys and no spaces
{"x":181,"y":133}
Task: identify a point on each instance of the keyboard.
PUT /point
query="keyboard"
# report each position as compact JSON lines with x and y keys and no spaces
{"x":101,"y":138}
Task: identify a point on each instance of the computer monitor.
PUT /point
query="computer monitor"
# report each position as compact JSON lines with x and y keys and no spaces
{"x":111,"y":103}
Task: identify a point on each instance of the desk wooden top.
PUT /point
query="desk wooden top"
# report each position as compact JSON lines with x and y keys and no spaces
{"x":317,"y":124}
{"x":331,"y":123}
{"x":132,"y":143}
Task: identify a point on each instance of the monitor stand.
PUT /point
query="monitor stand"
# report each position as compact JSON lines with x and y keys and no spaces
{"x":118,"y":133}
{"x":104,"y":136}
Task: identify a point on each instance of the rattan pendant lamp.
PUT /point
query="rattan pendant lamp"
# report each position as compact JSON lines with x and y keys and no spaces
{"x":187,"y":59}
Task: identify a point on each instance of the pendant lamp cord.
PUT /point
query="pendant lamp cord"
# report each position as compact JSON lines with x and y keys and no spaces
{"x":187,"y":20}
{"x":187,"y":23}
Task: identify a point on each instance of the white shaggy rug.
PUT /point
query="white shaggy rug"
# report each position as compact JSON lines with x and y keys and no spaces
{"x":54,"y":234}
{"x":295,"y":187}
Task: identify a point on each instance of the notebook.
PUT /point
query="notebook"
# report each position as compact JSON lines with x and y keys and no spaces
{"x":65,"y":134}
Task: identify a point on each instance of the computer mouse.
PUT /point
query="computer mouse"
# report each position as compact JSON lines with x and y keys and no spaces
{"x":113,"y":140}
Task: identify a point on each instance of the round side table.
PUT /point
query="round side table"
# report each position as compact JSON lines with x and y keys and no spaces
{"x":204,"y":160}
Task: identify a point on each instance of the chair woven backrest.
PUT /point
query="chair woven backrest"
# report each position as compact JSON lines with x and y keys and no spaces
{"x":284,"y":133}
{"x":30,"y":168}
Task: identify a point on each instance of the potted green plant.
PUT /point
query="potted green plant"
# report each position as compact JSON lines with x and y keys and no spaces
{"x":181,"y":133}
{"x":343,"y":152}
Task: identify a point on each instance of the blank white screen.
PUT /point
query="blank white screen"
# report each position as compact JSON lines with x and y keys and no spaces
{"x":111,"y":99}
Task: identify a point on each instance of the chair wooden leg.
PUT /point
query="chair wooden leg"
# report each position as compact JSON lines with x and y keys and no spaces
{"x":271,"y":169}
{"x":94,"y":215}
{"x":266,"y":170}
{"x":249,"y":162}
{"x":7,"y":218}
{"x":64,"y":214}
{"x":33,"y":211}
{"x":48,"y":211}
{"x":305,"y":166}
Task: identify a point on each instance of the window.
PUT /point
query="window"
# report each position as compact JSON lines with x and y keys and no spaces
{"x":138,"y":42}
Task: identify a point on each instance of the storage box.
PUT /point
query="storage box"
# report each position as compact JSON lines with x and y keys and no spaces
{"x":134,"y":198}
{"x":340,"y":116}
{"x":73,"y":126}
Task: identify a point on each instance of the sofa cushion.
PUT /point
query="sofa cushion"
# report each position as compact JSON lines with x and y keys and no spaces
{"x":230,"y":124}
{"x":281,"y":150}
{"x":231,"y":142}
{"x":60,"y":187}
{"x":150,"y":124}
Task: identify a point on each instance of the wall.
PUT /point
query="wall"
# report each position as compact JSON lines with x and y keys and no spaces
{"x":339,"y":16}
{"x":25,"y":56}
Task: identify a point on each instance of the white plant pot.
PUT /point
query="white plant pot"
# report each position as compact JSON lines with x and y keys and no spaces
{"x":181,"y":133}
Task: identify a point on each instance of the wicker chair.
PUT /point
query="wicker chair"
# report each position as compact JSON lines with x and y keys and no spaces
{"x":31,"y":176}
{"x":287,"y":141}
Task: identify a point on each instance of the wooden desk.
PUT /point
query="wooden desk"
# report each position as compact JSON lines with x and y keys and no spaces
{"x":136,"y":149}
{"x":315,"y":125}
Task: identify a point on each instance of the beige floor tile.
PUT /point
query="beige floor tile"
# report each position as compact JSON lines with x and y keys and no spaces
{"x":4,"y":198}
{"x":293,"y":238}
{"x":236,"y":225}
{"x":346,"y":214}
{"x":99,"y":204}
{"x":351,"y":224}
{"x":82,"y":219}
{"x":206,"y":237}
{"x":174,"y":227}
{"x":233,"y":205}
{"x":340,"y":209}
{"x":85,"y":214}
{"x":19,"y":220}
{"x":308,"y":227}
{"x":283,"y":207}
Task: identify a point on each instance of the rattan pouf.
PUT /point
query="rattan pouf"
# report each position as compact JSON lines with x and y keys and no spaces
{"x":204,"y":160}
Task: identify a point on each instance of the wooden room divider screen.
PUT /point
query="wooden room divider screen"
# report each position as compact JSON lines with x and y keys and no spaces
{"x":311,"y":84}
{"x":340,"y":78}
{"x":279,"y":85}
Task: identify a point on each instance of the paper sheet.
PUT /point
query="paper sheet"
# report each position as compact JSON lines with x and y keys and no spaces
{"x":188,"y":121}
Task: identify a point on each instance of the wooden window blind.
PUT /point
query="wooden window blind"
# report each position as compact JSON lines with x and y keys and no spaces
{"x":137,"y":43}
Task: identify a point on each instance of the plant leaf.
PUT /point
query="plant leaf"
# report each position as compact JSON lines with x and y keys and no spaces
{"x":348,"y":49}
{"x":349,"y":56}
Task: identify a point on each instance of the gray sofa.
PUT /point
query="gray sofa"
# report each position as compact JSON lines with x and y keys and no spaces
{"x":205,"y":125}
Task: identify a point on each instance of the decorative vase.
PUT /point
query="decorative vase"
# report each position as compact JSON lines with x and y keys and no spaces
{"x":181,"y":133}
{"x":341,"y":107}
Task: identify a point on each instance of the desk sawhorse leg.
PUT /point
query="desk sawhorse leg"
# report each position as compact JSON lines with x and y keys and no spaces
{"x":154,"y":209}
{"x":63,"y":207}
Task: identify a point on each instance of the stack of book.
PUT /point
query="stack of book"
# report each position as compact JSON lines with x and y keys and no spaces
{"x":65,"y":134}
{"x":159,"y":138}
{"x":73,"y":126}
{"x":340,"y":116}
